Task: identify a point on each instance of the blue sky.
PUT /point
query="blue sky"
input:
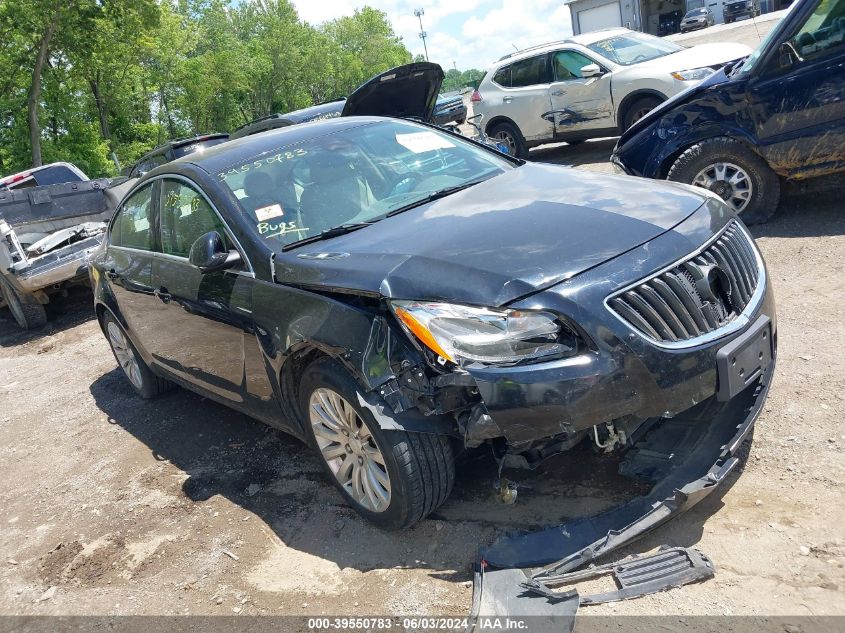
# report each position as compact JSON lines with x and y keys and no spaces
{"x":471,"y":33}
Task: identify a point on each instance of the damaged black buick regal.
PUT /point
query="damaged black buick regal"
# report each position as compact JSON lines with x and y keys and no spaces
{"x":392,"y":294}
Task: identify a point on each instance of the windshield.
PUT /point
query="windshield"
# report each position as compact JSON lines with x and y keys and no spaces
{"x":633,"y":48}
{"x":751,"y":60}
{"x":695,"y":12}
{"x":354,"y":175}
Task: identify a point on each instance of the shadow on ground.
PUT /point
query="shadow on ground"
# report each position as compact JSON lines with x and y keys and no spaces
{"x":63,"y":313}
{"x":276,"y":478}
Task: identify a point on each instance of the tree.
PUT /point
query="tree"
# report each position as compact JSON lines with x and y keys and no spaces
{"x":87,"y":79}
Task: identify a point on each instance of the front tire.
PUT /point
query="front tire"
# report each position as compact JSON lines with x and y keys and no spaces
{"x":145,"y":383}
{"x":509,"y":135}
{"x":27,"y":311}
{"x":392,"y":478}
{"x":735,"y":173}
{"x":638,"y":109}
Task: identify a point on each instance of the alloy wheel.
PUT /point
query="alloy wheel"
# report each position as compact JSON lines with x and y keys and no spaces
{"x":350,"y":450}
{"x":506,"y":139}
{"x":728,"y":181}
{"x":125,"y":355}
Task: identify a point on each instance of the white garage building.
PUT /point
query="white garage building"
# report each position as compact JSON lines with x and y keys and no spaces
{"x":658,"y":17}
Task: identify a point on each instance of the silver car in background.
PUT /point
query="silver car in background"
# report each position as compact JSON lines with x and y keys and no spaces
{"x":588,"y":86}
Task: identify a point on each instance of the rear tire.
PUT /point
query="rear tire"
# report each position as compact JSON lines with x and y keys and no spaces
{"x":145,"y":383}
{"x":27,"y":311}
{"x":765,"y":184}
{"x":401,"y":476}
{"x":508,"y":134}
{"x":638,"y":109}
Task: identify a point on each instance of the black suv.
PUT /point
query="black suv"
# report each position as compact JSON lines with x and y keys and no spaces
{"x":744,"y":8}
{"x":780,"y":113}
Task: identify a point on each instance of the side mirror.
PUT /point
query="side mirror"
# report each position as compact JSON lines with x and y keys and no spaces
{"x":209,"y":254}
{"x":787,"y":55}
{"x":591,"y":70}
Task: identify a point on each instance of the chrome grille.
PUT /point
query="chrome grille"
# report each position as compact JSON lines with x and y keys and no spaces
{"x":697,"y":296}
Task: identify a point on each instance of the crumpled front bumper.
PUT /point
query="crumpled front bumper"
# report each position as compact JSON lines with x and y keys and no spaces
{"x":699,"y":461}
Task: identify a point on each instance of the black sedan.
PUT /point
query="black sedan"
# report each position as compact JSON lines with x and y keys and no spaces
{"x":392,"y":294}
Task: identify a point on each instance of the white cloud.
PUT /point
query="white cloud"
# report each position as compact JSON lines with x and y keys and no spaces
{"x":472,"y":33}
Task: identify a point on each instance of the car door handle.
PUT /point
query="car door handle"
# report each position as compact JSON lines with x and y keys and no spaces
{"x":507,"y":99}
{"x":113,"y":275}
{"x":162,"y":294}
{"x":558,"y":93}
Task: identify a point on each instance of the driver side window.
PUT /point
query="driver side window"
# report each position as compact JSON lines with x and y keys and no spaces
{"x":185,"y":216}
{"x":567,"y":65}
{"x":823,"y":31}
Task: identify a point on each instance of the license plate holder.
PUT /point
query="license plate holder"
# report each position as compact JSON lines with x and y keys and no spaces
{"x":742,"y":361}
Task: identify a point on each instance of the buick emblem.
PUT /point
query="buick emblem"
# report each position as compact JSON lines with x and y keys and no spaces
{"x":712,"y":284}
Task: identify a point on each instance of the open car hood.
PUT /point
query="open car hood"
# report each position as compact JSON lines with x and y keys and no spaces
{"x":408,"y":92}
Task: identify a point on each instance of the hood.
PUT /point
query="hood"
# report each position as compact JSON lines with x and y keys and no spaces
{"x":408,"y":91}
{"x":515,"y":234}
{"x":696,"y":57}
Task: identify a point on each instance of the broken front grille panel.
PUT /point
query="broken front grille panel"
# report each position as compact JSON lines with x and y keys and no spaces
{"x":698,"y":296}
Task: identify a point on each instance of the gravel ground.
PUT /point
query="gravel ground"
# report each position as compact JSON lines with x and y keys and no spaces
{"x":114,"y":505}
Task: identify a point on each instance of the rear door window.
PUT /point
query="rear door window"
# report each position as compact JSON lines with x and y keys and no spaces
{"x":503,"y":77}
{"x":533,"y":71}
{"x":133,"y":225}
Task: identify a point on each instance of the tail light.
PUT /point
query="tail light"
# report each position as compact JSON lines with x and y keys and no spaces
{"x":475,"y":97}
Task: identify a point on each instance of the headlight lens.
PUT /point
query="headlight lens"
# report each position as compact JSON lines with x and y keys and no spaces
{"x":694,"y":74}
{"x":465,"y":334}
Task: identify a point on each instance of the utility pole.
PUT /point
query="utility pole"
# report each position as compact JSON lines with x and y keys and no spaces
{"x":419,"y":13}
{"x":454,"y":65}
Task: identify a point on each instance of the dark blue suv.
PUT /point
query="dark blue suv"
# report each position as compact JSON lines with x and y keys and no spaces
{"x":779,"y":113}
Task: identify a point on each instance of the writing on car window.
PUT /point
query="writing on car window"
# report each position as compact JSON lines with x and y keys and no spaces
{"x":356,"y":175}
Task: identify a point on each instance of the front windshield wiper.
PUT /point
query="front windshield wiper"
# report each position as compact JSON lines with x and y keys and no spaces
{"x":335,"y":231}
{"x":434,"y":195}
{"x":343,"y":229}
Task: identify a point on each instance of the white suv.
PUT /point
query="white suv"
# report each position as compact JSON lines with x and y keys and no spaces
{"x":591,"y":85}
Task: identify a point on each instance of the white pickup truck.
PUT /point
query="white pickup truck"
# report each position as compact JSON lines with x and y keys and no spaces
{"x":51,"y":219}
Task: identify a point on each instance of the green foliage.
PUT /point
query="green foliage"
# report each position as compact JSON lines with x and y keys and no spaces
{"x":122,"y":76}
{"x":457,"y":80}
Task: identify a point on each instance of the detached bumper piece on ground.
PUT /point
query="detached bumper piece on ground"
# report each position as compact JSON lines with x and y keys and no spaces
{"x":508,"y":591}
{"x":690,"y":456}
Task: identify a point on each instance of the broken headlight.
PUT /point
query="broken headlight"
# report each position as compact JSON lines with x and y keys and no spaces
{"x":465,"y":334}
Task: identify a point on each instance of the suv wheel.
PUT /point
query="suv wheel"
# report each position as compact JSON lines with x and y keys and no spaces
{"x":26,"y":309}
{"x":638,"y":109}
{"x":509,"y":135}
{"x":392,"y":478}
{"x":142,"y":379}
{"x":735,"y":173}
